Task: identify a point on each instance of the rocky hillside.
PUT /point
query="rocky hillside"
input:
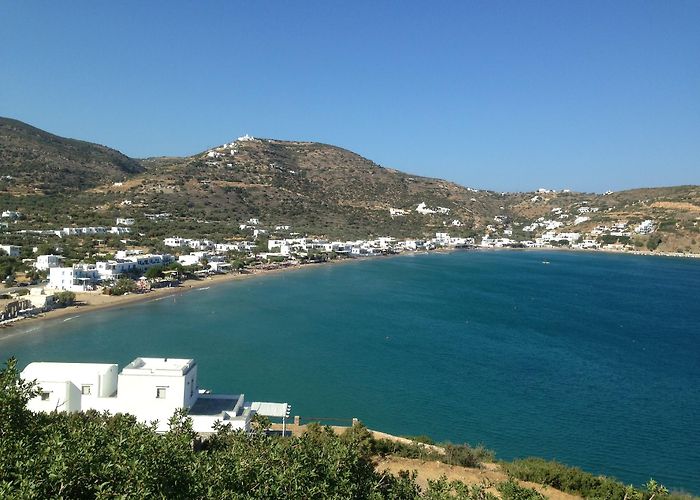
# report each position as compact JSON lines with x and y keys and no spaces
{"x":316,"y":189}
{"x":35,"y":161}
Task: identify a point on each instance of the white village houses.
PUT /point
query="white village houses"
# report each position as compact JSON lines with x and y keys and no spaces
{"x":148,"y":388}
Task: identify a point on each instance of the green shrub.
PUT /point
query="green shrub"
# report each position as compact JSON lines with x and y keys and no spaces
{"x":64,"y":299}
{"x":511,"y":490}
{"x":466,"y":456}
{"x":571,"y":479}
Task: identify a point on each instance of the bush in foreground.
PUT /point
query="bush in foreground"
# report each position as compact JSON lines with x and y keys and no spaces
{"x":97,"y":455}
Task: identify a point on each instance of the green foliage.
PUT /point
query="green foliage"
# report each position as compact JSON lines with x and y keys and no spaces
{"x":574,"y":480}
{"x":154,"y":272}
{"x":608,"y":239}
{"x":467,"y":456}
{"x":463,"y":455}
{"x":260,"y":422}
{"x":421,"y":439}
{"x":9,"y":280}
{"x":511,"y":490}
{"x":655,"y":489}
{"x":444,"y":489}
{"x":64,"y":299}
{"x":97,"y":455}
{"x":122,"y":286}
{"x":654,"y":242}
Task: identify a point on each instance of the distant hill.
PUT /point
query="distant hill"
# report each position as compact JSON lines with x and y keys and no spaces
{"x":321,"y":188}
{"x":39,"y":161}
{"x":317,"y":189}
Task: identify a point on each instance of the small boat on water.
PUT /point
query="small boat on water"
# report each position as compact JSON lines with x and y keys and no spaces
{"x":545,"y":262}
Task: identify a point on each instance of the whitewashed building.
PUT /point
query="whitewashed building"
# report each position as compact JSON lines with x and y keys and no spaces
{"x":44,"y":262}
{"x":148,"y":388}
{"x":113,"y":269}
{"x":79,"y":278}
{"x":11,"y":250}
{"x":646,"y":227}
{"x":11,"y":214}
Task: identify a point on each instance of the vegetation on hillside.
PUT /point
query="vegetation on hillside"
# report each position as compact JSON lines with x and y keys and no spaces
{"x":97,"y":455}
{"x":36,"y":161}
{"x":317,"y":189}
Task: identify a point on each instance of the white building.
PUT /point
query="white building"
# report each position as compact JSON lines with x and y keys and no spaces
{"x":175,"y":242}
{"x":148,"y":388}
{"x":11,"y":250}
{"x":125,"y":221}
{"x":645,"y":227}
{"x":76,"y":231}
{"x":11,"y":214}
{"x":44,"y":262}
{"x":113,"y":269}
{"x":79,"y":278}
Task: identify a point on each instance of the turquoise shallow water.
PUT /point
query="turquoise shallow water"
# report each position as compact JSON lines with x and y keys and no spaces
{"x":593,"y":359}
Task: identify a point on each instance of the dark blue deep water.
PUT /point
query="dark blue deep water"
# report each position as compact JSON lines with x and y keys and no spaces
{"x":593,"y":359}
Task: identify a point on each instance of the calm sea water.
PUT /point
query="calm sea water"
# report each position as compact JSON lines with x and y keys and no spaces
{"x":593,"y":359}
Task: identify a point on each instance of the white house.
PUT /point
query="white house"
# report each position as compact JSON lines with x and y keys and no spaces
{"x":44,"y":262}
{"x":11,"y":250}
{"x":148,"y":388}
{"x":146,"y":261}
{"x":79,"y":278}
{"x":11,"y":214}
{"x":122,"y":221}
{"x":119,"y":230}
{"x":645,"y":227}
{"x":113,"y":269}
{"x":175,"y":242}
{"x":193,"y":258}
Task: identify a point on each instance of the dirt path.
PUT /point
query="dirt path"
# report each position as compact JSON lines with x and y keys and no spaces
{"x":490,"y":474}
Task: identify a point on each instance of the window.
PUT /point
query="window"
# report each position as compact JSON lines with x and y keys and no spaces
{"x":45,"y":396}
{"x":160,"y":393}
{"x":86,"y":390}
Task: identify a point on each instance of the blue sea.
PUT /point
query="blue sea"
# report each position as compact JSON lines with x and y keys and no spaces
{"x":589,"y":359}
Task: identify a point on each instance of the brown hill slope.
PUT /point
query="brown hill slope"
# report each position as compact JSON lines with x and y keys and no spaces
{"x":317,"y":189}
{"x":36,"y":160}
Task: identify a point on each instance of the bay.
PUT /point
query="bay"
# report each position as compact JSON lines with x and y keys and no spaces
{"x":591,"y":359}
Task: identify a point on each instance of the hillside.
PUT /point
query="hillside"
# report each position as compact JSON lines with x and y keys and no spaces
{"x":316,"y":189}
{"x":32,"y":160}
{"x":320,"y":188}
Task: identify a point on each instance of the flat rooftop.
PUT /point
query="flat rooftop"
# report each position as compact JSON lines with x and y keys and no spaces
{"x":216,"y":405}
{"x":48,"y":370}
{"x":163,"y":366}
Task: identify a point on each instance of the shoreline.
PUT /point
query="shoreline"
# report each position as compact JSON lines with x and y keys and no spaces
{"x":89,"y":302}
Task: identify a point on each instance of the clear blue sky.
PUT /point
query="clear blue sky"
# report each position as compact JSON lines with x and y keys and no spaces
{"x":589,"y":95}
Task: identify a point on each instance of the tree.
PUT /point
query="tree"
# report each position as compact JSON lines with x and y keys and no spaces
{"x":122,"y":286}
{"x":653,"y":243}
{"x":655,"y":489}
{"x":64,"y":299}
{"x":154,"y":272}
{"x":9,"y":280}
